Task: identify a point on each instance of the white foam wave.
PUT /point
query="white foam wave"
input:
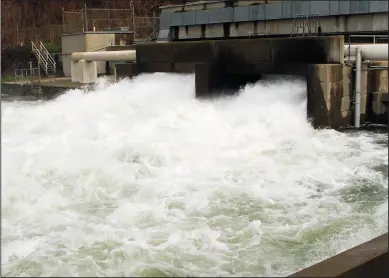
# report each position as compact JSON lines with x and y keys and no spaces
{"x":139,"y":178}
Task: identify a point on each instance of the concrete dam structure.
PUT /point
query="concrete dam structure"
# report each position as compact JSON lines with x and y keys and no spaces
{"x":221,"y":43}
{"x":223,"y":66}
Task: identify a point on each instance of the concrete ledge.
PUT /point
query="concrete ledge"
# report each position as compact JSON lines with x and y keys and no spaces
{"x":366,"y":260}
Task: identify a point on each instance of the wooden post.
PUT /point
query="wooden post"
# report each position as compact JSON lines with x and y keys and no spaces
{"x":85,"y":19}
{"x":31,"y":69}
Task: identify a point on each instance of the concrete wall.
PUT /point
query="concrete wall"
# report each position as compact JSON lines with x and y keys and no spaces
{"x":374,"y":93}
{"x":151,"y":56}
{"x":70,"y":44}
{"x":329,"y":89}
{"x":84,"y":42}
{"x":366,"y":260}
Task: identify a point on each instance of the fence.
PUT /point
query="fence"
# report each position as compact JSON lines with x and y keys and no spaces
{"x":78,"y":21}
{"x":106,"y":19}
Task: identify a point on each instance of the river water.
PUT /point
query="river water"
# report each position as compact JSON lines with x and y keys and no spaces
{"x":139,"y":178}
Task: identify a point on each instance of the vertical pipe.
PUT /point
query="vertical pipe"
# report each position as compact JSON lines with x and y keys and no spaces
{"x":357,"y":108}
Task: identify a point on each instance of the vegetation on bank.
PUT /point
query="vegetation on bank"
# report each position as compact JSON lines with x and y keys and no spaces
{"x":15,"y":58}
{"x":12,"y":78}
{"x":53,"y":47}
{"x":22,"y":21}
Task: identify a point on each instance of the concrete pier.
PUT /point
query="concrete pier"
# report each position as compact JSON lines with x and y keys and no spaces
{"x":366,"y":260}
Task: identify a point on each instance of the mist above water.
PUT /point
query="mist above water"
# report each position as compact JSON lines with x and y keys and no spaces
{"x":139,"y":178}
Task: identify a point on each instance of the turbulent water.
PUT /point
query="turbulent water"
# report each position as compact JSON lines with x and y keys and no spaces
{"x":139,"y":178}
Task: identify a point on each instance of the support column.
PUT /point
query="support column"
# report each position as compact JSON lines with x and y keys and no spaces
{"x":208,"y":79}
{"x":88,"y":71}
{"x":357,"y":111}
{"x":74,"y":71}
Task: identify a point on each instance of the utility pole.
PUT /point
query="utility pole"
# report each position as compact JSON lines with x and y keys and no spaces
{"x":133,"y":19}
{"x":85,"y":19}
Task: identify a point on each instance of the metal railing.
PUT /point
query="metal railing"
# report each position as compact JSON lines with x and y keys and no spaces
{"x":46,"y":54}
{"x":24,"y":75}
{"x":374,"y":37}
{"x":30,"y":77}
{"x":308,"y":24}
{"x":44,"y":58}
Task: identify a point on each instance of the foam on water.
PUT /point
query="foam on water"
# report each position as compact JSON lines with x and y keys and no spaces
{"x":139,"y":178}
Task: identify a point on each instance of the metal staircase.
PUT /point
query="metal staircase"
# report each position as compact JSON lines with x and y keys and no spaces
{"x":44,"y":58}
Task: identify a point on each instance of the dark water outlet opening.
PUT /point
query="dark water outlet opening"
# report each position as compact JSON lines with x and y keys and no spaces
{"x":231,"y":83}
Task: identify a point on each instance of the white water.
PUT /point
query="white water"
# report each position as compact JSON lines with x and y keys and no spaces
{"x":139,"y":178}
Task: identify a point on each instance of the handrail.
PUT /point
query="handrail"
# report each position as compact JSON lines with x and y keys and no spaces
{"x":37,"y":52}
{"x":24,"y":73}
{"x":44,"y":57}
{"x":41,"y":58}
{"x":46,"y":52}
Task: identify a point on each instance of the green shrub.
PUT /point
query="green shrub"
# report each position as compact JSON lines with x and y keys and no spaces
{"x":52,"y":47}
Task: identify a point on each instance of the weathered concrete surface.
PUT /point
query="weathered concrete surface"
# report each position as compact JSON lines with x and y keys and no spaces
{"x":366,"y":260}
{"x":125,"y":70}
{"x":374,"y":89}
{"x":152,"y":57}
{"x":328,"y":93}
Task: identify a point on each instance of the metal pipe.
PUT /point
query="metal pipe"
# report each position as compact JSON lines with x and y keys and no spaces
{"x":357,"y":107}
{"x":125,"y":55}
{"x":379,"y":67}
{"x":370,"y":51}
